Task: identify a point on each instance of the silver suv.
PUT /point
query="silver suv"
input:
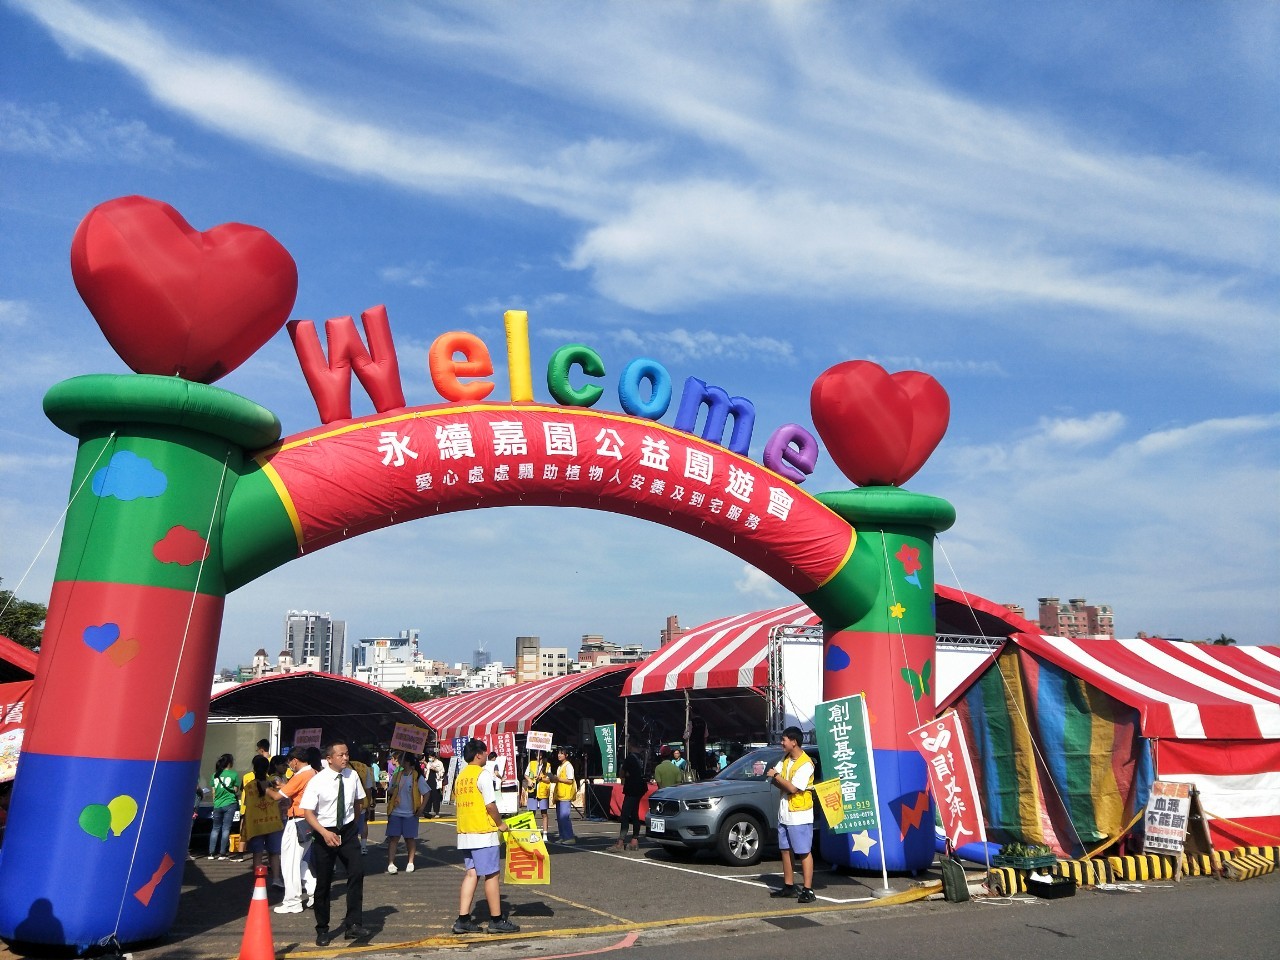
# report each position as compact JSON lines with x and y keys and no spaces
{"x":736,"y":813}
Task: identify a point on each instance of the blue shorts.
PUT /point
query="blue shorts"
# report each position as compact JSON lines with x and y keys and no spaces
{"x":402,"y":825}
{"x":266,"y":842}
{"x":536,"y":805}
{"x":485,"y":861}
{"x":796,"y":837}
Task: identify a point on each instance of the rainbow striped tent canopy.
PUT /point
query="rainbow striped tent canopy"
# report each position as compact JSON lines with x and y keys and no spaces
{"x":1067,"y":735}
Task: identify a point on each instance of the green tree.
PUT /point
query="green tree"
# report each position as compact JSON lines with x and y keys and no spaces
{"x":21,"y":620}
{"x":411,"y":694}
{"x":1222,"y":641}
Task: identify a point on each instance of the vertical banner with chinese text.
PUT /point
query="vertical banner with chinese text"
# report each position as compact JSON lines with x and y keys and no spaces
{"x":946,"y":755}
{"x":845,"y":746}
{"x":607,"y":737}
{"x":1166,"y":817}
{"x":504,"y":745}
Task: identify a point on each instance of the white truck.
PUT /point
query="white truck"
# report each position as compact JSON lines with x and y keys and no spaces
{"x":239,"y":737}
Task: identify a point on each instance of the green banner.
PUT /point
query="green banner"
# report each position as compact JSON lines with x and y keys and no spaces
{"x":607,"y":737}
{"x":845,"y":744}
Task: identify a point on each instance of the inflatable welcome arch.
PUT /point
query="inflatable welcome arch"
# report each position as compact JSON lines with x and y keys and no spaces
{"x":183,"y":492}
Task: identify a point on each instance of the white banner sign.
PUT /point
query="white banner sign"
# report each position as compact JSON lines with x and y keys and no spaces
{"x":538,"y":740}
{"x":307,"y":737}
{"x":1167,"y":815}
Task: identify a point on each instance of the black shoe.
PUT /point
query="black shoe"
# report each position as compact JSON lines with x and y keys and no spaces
{"x":502,"y":925}
{"x":788,"y":891}
{"x":323,"y":938}
{"x":806,"y":896}
{"x":467,"y":926}
{"x":355,"y":932}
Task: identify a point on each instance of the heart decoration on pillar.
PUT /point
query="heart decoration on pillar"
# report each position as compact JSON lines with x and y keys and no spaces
{"x":879,"y":428}
{"x":174,"y":301}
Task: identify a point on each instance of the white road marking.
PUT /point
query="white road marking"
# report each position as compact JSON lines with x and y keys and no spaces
{"x":752,"y":881}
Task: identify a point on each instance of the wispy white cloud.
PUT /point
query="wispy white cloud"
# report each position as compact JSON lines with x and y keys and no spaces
{"x":753,"y":583}
{"x":14,"y":314}
{"x":1085,"y":508}
{"x":409,"y":275}
{"x":96,"y":137}
{"x":679,"y":344}
{"x":951,"y":366}
{"x":821,"y":163}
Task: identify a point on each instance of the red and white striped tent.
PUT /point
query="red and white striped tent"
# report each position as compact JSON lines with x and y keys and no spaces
{"x":729,"y":652}
{"x":515,"y":709}
{"x":1183,"y":691}
{"x":1209,"y":714}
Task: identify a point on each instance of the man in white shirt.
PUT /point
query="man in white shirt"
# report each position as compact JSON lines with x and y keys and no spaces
{"x":793,"y":775}
{"x":330,"y":803}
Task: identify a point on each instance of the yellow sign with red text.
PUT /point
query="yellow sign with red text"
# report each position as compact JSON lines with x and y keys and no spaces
{"x":525,"y":860}
{"x":830,"y":801}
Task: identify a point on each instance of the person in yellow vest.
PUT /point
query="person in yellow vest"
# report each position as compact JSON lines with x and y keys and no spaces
{"x":566,"y":788}
{"x":261,"y":825}
{"x":537,"y":785}
{"x":793,"y":775}
{"x":475,"y":796}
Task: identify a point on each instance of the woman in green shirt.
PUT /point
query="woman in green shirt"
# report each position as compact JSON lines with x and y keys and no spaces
{"x":226,"y":803}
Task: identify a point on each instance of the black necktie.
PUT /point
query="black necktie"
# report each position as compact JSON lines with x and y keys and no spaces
{"x":342,"y":803}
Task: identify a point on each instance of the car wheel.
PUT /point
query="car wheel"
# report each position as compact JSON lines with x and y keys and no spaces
{"x":740,"y":840}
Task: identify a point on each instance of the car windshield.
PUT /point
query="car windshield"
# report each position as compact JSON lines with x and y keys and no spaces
{"x":751,"y":766}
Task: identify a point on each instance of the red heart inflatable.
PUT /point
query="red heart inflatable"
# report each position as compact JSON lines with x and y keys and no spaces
{"x":177,"y":302}
{"x":878,"y":428}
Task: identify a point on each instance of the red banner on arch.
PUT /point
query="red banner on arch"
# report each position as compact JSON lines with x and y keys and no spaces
{"x":339,"y":481}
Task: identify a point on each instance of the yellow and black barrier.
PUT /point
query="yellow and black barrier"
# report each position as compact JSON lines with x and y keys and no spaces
{"x":1269,"y":854}
{"x":1086,"y":873}
{"x":1204,"y":864}
{"x":1006,"y":881}
{"x":1246,"y":866}
{"x":1141,"y":867}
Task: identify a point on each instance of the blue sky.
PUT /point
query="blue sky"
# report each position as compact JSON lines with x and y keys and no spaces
{"x":1068,"y":214}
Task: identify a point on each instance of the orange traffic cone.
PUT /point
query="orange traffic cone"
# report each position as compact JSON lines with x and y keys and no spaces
{"x":257,"y":943}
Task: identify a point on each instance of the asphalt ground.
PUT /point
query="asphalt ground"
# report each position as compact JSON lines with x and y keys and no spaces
{"x":598,"y":900}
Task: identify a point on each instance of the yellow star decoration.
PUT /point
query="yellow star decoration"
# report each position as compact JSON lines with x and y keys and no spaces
{"x":897,"y":610}
{"x":862,"y":842}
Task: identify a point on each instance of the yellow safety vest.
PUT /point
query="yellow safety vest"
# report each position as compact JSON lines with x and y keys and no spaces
{"x":803,"y":800}
{"x":566,"y":791}
{"x":473,"y":817}
{"x":534,"y":773}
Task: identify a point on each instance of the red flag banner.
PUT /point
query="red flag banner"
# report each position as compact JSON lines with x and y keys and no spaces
{"x":941,"y":742}
{"x":14,"y":699}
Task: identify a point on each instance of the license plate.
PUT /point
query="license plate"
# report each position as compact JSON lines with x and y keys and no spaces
{"x":657,"y":825}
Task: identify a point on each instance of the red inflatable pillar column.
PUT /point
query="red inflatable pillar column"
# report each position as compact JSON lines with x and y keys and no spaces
{"x":889,"y":655}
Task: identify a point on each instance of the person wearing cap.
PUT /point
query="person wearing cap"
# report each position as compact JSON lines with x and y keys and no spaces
{"x":667,"y":774}
{"x":480,"y":826}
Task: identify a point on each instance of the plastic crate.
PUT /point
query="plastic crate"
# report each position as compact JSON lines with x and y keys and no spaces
{"x":1053,"y":890}
{"x":1024,"y":863}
